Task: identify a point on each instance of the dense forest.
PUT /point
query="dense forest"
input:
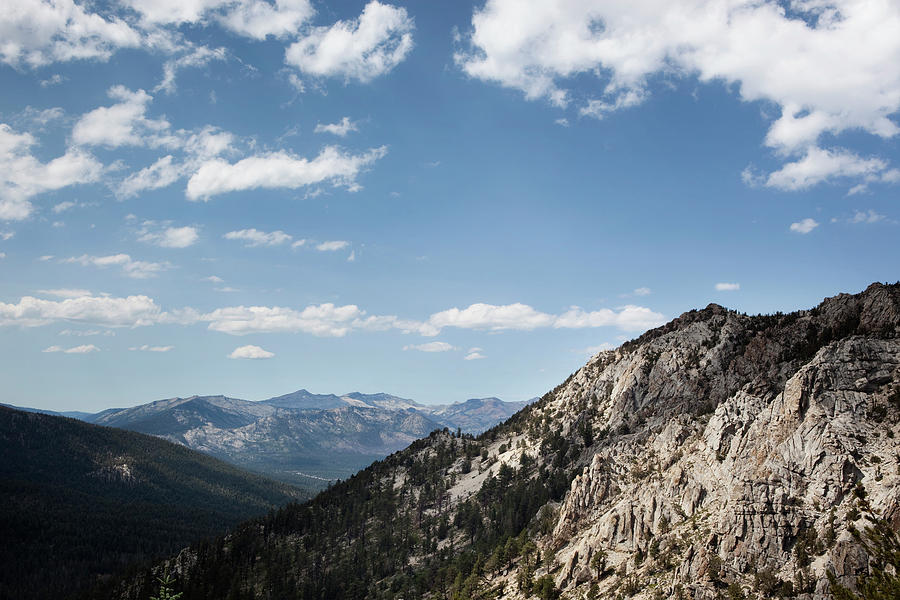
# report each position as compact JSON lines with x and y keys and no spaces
{"x":80,"y":502}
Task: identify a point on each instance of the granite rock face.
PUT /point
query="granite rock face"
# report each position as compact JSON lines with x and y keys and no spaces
{"x":727,"y":449}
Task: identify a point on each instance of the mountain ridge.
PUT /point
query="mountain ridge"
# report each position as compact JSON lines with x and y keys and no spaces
{"x":718,"y":451}
{"x":302,"y":438}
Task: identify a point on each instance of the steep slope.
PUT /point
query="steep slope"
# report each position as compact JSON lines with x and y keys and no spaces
{"x":78,"y":501}
{"x":719,"y":451}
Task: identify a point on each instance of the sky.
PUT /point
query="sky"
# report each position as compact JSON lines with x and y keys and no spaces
{"x":438,"y":200}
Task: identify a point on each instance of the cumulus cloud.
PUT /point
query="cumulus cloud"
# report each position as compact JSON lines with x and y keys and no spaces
{"x":137,"y":269}
{"x":332,"y":246}
{"x":842,"y":75}
{"x":821,"y":165}
{"x":83,"y":349}
{"x":258,"y":19}
{"x":107,"y":311}
{"x":869,"y":216}
{"x":254,"y":237}
{"x":251,"y":352}
{"x":361,"y":49}
{"x":339,"y":129}
{"x":324,"y":320}
{"x":280,"y":170}
{"x":38,"y":32}
{"x":804,"y":226}
{"x":642,"y":291}
{"x":474,"y":354}
{"x":198,"y":146}
{"x":431,"y":347}
{"x":214,"y":279}
{"x":7,"y":235}
{"x":22,"y":176}
{"x":121,"y":124}
{"x":147,"y":348}
{"x":162,"y":173}
{"x":525,"y":318}
{"x":169,"y":237}
{"x":728,"y":287}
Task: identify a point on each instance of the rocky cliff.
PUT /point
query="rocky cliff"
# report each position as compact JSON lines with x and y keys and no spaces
{"x":721,"y":454}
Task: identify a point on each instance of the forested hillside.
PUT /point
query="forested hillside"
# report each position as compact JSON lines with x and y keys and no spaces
{"x":80,"y":502}
{"x":719,"y":453}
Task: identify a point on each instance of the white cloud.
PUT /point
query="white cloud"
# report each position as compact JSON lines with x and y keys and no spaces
{"x":279,"y":170}
{"x":146,"y":348}
{"x":84,"y":349}
{"x":105,"y":311}
{"x":251,"y":352}
{"x":298,"y":244}
{"x":339,"y":129}
{"x":525,"y":318}
{"x":54,"y":79}
{"x":258,"y":19}
{"x":7,"y":235}
{"x":64,"y":206}
{"x":869,"y":216}
{"x":199,"y":146}
{"x":642,"y":291}
{"x":361,"y":49}
{"x":214,"y":279}
{"x":592,"y":350}
{"x":198,"y":56}
{"x":324,"y":320}
{"x":170,"y":237}
{"x":122,"y":124}
{"x":352,"y":256}
{"x":728,"y":287}
{"x":87,"y":332}
{"x":136,"y":269}
{"x":160,"y":174}
{"x":431,"y":347}
{"x":474,"y":354}
{"x":804,"y":226}
{"x":38,"y":32}
{"x":22,"y":176}
{"x":2,"y":254}
{"x":820,"y":165}
{"x":255,"y":237}
{"x":628,"y":318}
{"x":842,"y":73}
{"x":332,"y":246}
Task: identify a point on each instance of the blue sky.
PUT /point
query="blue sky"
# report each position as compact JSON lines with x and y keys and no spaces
{"x":437,"y":200}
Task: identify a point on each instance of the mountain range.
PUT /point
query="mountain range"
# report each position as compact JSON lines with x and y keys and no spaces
{"x":720,"y":455}
{"x":302,"y":438}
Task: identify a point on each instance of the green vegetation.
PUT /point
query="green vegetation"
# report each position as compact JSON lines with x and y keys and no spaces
{"x":883,"y":546}
{"x":80,"y":502}
{"x":390,"y":532}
